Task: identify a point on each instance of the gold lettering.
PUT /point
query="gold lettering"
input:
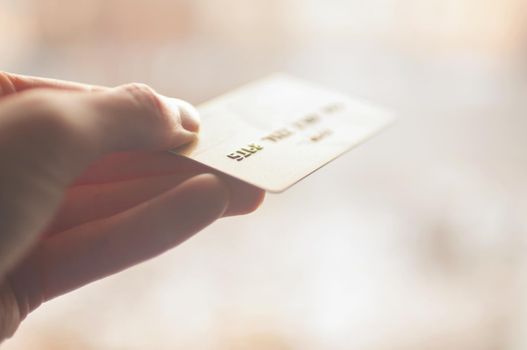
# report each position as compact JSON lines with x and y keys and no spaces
{"x":333,"y":108}
{"x":307,"y":121}
{"x":278,"y":135}
{"x":321,"y":135}
{"x":245,"y":152}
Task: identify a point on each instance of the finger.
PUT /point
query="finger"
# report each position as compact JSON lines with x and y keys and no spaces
{"x":11,"y":83}
{"x":79,"y":128}
{"x":87,"y":203}
{"x":245,"y":198}
{"x":79,"y":256}
{"x":132,"y":165}
{"x":48,"y":137}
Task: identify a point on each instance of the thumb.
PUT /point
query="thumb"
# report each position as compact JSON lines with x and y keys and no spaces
{"x":134,"y":117}
{"x":47,"y":137}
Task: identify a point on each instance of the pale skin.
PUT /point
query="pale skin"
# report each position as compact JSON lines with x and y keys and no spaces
{"x":87,"y":188}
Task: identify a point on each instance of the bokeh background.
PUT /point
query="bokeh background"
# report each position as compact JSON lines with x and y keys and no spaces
{"x":415,"y":240}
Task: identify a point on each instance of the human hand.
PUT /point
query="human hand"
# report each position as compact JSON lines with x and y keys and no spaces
{"x":86,"y":189}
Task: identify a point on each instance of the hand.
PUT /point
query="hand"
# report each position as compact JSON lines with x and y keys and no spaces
{"x":86,"y":189}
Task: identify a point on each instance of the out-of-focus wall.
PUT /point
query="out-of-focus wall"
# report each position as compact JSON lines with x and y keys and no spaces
{"x":149,"y":38}
{"x":467,"y":24}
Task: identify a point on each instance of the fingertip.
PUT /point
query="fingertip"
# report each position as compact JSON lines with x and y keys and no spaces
{"x":252,"y":200}
{"x":189,"y":115}
{"x":244,"y":198}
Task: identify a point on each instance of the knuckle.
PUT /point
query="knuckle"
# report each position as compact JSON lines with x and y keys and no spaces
{"x":143,"y":95}
{"x":148,"y":107}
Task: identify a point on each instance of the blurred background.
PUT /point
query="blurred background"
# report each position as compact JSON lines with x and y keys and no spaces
{"x":415,"y":240}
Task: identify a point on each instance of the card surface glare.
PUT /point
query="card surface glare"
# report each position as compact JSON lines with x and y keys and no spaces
{"x":273,"y":132}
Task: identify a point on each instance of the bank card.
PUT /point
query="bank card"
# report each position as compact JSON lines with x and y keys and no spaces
{"x":274,"y":132}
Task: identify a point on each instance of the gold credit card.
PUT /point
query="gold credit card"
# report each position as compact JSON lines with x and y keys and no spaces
{"x":273,"y":132}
